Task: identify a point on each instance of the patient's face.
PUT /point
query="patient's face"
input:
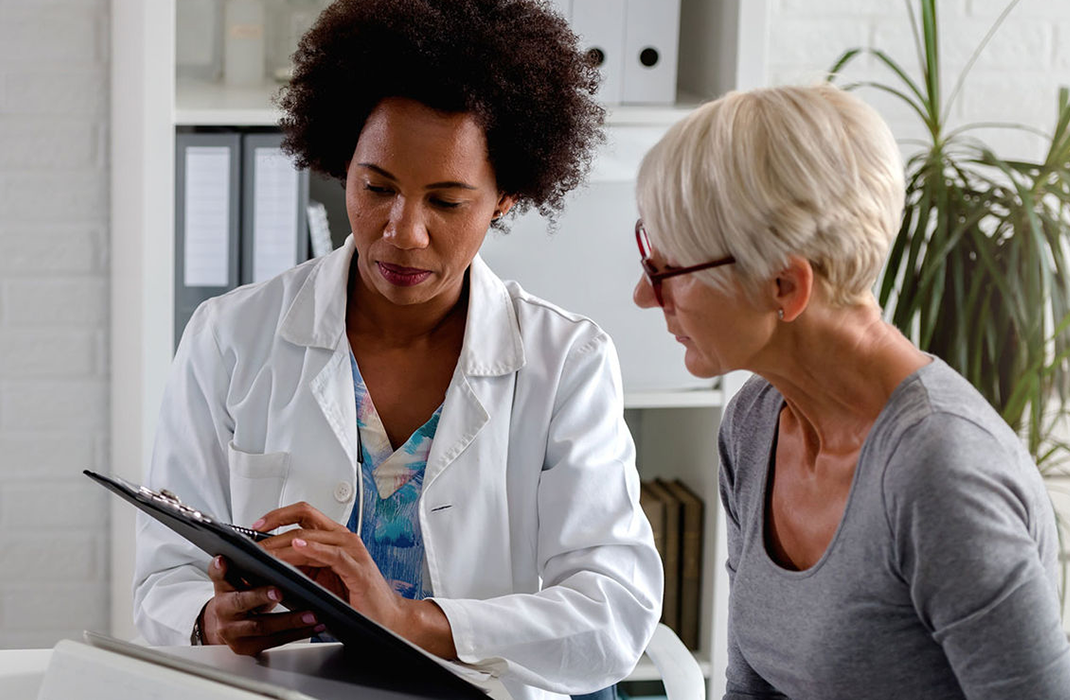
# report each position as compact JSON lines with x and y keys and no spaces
{"x":420,"y":193}
{"x":720,"y":331}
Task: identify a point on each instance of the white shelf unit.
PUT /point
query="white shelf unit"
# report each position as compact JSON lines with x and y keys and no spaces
{"x":677,"y":439}
{"x":202,"y":103}
{"x":723,"y":47}
{"x":685,"y":398}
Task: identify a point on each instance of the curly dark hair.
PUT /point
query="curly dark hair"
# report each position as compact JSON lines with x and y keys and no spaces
{"x":514,"y":64}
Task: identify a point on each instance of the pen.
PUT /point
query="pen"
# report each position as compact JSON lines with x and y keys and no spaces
{"x":254,"y":535}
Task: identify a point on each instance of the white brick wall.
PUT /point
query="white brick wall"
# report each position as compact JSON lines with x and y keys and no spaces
{"x":1016,"y":79}
{"x":53,"y":318}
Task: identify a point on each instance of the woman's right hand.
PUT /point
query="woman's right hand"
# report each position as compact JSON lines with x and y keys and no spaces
{"x":242,"y":619}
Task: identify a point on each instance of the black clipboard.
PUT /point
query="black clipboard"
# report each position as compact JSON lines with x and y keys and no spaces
{"x":381,"y":658}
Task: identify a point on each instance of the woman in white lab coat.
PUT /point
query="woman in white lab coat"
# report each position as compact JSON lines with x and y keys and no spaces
{"x":441,"y":449}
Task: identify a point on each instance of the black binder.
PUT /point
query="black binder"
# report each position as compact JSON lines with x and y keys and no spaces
{"x":380,"y":658}
{"x":189,"y":296}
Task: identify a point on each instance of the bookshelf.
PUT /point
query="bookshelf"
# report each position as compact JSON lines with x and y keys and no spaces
{"x":673,"y":417}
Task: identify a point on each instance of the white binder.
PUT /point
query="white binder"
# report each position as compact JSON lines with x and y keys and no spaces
{"x":651,"y":49}
{"x":600,"y":26}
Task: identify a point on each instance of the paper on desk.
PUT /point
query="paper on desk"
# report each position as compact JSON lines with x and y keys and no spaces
{"x":207,"y":249}
{"x":275,"y":195}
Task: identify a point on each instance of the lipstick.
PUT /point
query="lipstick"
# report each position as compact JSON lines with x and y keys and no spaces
{"x":402,"y":276}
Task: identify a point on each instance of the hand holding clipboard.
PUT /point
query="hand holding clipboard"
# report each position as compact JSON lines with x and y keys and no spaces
{"x":336,"y":558}
{"x":385,"y":659}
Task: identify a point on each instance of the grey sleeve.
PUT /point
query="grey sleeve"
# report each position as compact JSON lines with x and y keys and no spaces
{"x":961,"y":509}
{"x":743,"y":683}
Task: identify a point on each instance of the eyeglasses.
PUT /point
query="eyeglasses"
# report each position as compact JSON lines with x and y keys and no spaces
{"x":654,"y":275}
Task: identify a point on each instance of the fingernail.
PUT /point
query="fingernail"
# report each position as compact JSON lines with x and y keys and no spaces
{"x":258,"y":523}
{"x":274,"y":595}
{"x":298,"y":542}
{"x":218,"y":561}
{"x":308,"y":619}
{"x":320,"y":628}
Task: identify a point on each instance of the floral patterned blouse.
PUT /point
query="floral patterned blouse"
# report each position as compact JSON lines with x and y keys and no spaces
{"x":392,"y":482}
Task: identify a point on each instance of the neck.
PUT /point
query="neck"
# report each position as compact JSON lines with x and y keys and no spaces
{"x":372,"y":317}
{"x":836,"y":369}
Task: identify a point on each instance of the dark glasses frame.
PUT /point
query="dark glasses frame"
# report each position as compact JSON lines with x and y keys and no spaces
{"x":654,"y":275}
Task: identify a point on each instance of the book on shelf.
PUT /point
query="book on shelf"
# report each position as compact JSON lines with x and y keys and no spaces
{"x":654,"y":509}
{"x":691,"y":515}
{"x":670,"y":604}
{"x":676,"y":517}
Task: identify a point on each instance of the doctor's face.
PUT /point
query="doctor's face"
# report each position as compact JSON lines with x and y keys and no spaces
{"x":420,"y":193}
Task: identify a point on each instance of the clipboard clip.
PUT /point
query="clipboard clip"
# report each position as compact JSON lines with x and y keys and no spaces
{"x":168,"y":498}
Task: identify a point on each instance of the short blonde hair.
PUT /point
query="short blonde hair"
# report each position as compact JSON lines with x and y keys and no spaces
{"x":765,"y":174}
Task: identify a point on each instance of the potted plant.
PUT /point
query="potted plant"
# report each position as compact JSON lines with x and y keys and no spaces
{"x":979,"y":273}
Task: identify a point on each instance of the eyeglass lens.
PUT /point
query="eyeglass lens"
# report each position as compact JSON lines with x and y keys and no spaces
{"x":648,"y":265}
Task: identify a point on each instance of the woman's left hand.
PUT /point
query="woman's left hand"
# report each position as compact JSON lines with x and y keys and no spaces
{"x":334,"y":557}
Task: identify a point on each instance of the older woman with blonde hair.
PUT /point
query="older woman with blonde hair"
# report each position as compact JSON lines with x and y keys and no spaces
{"x":888,"y":535}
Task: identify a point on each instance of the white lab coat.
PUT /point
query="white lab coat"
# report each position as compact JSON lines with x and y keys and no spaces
{"x":536,"y":546}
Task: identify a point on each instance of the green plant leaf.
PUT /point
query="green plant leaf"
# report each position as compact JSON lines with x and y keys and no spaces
{"x":892,"y":91}
{"x":966,"y":128}
{"x":976,"y":53}
{"x":898,"y":70}
{"x":931,"y":65}
{"x":841,"y":62}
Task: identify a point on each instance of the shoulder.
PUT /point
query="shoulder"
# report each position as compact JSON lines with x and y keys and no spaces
{"x":752,"y":411}
{"x":953,"y":472}
{"x":547,"y":325}
{"x":249,"y":312}
{"x":746,"y":437}
{"x":940,"y":440}
{"x":568,"y":359}
{"x":938,"y":415}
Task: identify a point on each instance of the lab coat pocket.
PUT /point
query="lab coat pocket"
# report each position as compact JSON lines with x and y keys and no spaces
{"x":256,"y":482}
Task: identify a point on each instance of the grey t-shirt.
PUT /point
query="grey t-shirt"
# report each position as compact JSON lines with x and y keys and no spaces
{"x":940,"y":581}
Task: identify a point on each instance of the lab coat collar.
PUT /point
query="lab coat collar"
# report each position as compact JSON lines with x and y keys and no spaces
{"x":317,"y":316}
{"x":492,"y":343}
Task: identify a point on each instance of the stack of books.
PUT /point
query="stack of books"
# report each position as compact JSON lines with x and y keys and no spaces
{"x":675,"y":515}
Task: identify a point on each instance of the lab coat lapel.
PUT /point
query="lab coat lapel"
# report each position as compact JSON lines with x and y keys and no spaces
{"x":492,"y":347}
{"x":333,"y":389}
{"x":316,"y":318}
{"x":463,"y":416}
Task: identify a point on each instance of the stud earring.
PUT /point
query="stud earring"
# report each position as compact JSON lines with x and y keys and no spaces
{"x":780,"y":314}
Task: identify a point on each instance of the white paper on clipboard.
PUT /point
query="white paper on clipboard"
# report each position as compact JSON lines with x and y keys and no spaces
{"x":207,"y":217}
{"x":275,"y":220}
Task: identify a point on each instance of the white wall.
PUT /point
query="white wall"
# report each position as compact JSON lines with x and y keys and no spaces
{"x":1016,"y":79}
{"x":53,"y":318}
